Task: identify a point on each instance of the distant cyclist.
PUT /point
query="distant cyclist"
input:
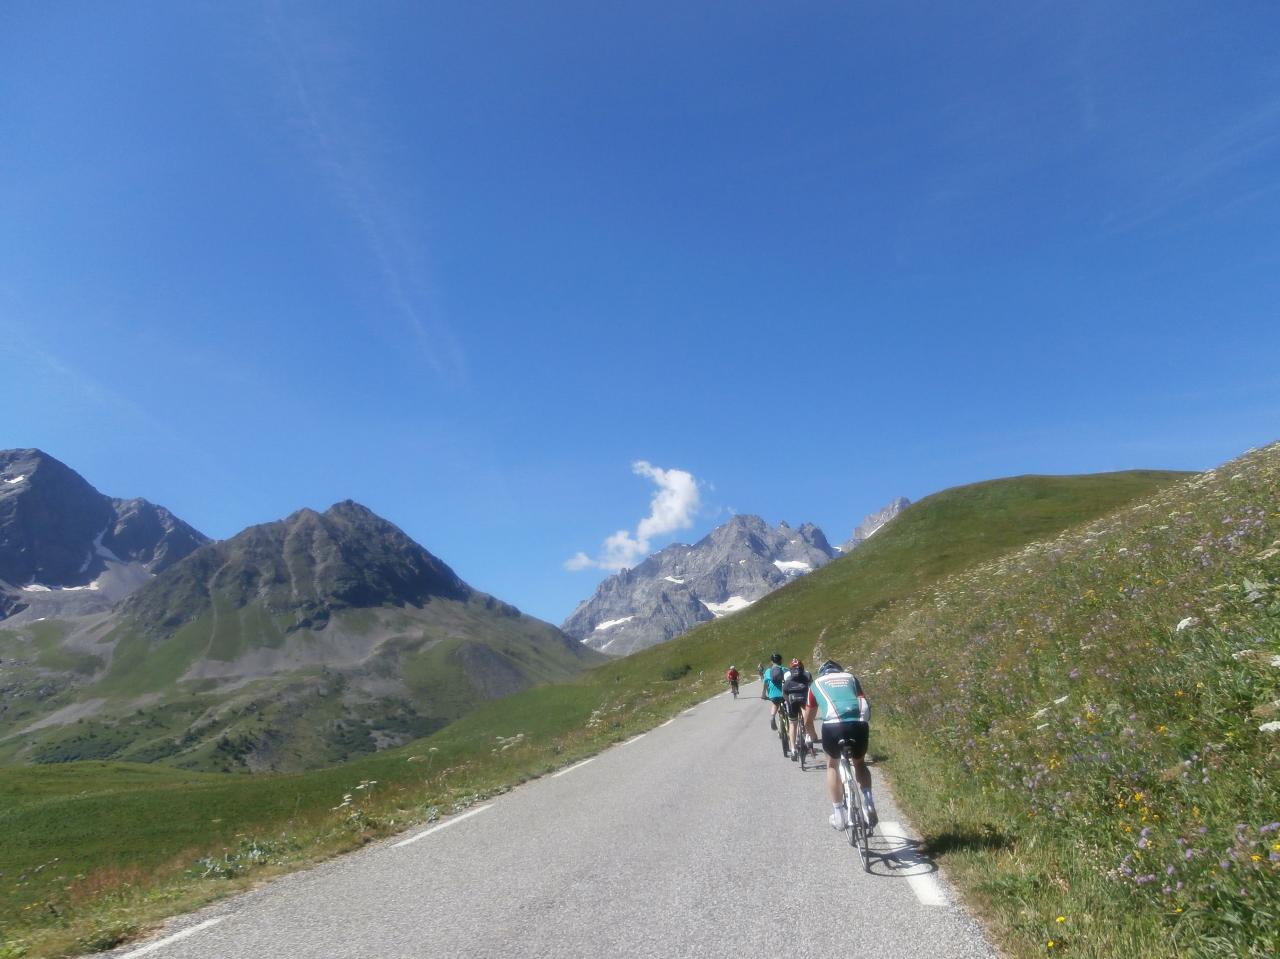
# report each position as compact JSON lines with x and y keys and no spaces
{"x":760,"y":674}
{"x":795,"y":693}
{"x":773,"y":675}
{"x":836,"y":697}
{"x":732,"y":676}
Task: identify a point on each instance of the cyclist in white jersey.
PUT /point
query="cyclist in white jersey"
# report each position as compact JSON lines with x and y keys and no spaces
{"x":836,"y":697}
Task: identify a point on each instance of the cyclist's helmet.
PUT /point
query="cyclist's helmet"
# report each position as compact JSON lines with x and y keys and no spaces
{"x":776,"y":658}
{"x":830,"y":666}
{"x":796,"y":664}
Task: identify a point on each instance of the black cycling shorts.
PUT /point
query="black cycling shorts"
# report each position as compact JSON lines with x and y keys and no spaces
{"x":776,"y":700}
{"x":794,"y":707}
{"x":856,"y":731}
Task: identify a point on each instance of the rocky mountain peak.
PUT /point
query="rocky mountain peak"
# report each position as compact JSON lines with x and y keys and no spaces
{"x":680,"y":586}
{"x":872,"y":523}
{"x":66,"y":548}
{"x":306,"y":566}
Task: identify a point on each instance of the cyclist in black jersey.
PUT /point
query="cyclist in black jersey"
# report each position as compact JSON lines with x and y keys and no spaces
{"x":795,"y":693}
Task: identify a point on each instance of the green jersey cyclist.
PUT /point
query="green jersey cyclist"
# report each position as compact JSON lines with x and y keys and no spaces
{"x":836,"y":697}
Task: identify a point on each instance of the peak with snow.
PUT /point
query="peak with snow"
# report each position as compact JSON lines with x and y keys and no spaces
{"x":675,"y":589}
{"x":65,"y":548}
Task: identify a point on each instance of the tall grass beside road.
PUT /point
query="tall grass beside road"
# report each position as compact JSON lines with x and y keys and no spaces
{"x":1086,"y":729}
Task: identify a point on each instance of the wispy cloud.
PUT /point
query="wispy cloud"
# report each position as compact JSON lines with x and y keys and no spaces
{"x":1250,"y":140}
{"x":338,"y":137}
{"x":674,"y":505}
{"x":98,"y":406}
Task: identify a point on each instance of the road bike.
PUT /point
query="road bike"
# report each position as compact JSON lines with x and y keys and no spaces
{"x":733,"y":684}
{"x":799,"y":742}
{"x":784,"y":730}
{"x":854,"y":806}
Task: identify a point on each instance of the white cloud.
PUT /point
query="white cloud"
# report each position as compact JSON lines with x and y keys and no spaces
{"x":674,"y":505}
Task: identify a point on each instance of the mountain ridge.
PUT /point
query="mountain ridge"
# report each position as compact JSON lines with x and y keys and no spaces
{"x":298,"y":642}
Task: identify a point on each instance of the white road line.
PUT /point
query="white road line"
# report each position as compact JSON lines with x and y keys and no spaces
{"x":668,"y":722}
{"x":175,"y":937}
{"x":452,"y":821}
{"x":569,"y":769}
{"x":927,"y":890}
{"x":924,"y":885}
{"x":633,"y":739}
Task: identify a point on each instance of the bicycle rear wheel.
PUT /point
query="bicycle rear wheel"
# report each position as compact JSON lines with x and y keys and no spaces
{"x":850,"y":804}
{"x":784,"y":732}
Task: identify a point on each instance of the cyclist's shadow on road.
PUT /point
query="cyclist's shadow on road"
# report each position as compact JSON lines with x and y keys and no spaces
{"x":897,"y":856}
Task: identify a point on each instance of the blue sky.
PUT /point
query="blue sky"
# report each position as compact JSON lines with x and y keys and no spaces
{"x":467,"y":263}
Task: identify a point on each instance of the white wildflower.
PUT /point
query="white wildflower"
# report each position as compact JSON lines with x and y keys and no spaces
{"x":1185,"y":623}
{"x":1271,"y":727}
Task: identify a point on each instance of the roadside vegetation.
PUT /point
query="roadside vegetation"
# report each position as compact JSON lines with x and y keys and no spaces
{"x":1086,"y":730}
{"x":966,"y":617}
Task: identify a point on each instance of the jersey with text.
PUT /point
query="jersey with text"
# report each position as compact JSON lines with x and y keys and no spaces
{"x":839,"y":698}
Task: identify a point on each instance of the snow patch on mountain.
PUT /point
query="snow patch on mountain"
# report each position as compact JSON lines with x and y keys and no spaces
{"x":609,"y":624}
{"x":730,"y":605}
{"x":793,"y":565}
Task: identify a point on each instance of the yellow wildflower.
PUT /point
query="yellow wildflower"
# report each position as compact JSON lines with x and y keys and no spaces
{"x":1061,"y":919}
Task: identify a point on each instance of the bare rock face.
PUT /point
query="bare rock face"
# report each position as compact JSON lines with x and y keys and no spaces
{"x":872,"y":524}
{"x":304,"y":567}
{"x":680,"y":586}
{"x":66,"y":549}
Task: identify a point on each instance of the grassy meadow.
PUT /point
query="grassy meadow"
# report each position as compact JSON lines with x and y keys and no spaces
{"x":966,"y":618}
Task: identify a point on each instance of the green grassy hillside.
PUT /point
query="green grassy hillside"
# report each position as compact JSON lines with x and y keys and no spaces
{"x":105,"y":847}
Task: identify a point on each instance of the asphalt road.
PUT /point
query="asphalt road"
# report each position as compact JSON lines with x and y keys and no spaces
{"x":696,"y":839}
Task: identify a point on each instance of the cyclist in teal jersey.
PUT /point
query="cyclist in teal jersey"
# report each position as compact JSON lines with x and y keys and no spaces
{"x":836,"y":697}
{"x":773,"y":677}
